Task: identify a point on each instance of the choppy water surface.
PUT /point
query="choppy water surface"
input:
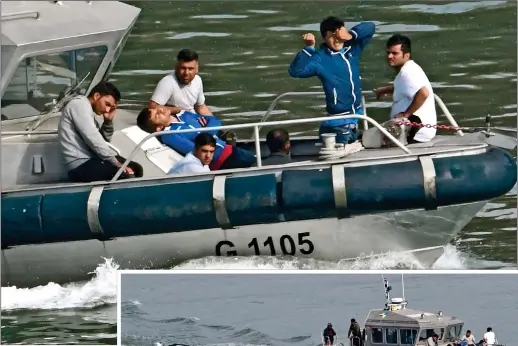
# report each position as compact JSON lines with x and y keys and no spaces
{"x":466,"y":48}
{"x":282,"y":310}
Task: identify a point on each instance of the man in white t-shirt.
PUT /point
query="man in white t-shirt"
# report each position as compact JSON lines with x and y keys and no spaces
{"x":490,"y":337}
{"x":198,"y":160}
{"x":182,"y":89}
{"x":412,"y":92}
{"x":470,"y":338}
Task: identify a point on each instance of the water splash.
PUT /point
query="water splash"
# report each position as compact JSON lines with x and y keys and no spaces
{"x":100,"y":290}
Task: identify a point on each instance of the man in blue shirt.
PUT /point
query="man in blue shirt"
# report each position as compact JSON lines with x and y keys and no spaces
{"x":336,"y":64}
{"x":160,"y":119}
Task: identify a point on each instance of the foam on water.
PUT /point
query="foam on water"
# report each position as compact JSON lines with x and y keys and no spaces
{"x":453,"y":8}
{"x":100,"y":290}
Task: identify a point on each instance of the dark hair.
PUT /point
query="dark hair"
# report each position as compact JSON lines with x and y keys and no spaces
{"x":187,"y":55}
{"x":489,"y":329}
{"x":144,"y":121}
{"x":330,"y":24}
{"x":204,"y":138}
{"x":276,"y":139}
{"x":106,"y":88}
{"x":353,"y":320}
{"x":404,"y":41}
{"x":468,"y":331}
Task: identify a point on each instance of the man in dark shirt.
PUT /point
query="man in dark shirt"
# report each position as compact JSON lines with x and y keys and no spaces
{"x":278,"y":141}
{"x":329,"y":334}
{"x":355,"y":333}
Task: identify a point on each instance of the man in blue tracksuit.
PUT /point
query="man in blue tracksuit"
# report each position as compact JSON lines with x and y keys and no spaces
{"x":336,"y":64}
{"x":226,"y":156}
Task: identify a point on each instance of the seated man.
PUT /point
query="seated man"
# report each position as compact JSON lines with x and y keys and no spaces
{"x":413,"y":93}
{"x":84,"y":145}
{"x":469,"y":338}
{"x":278,"y":141}
{"x":198,"y":160}
{"x":329,"y":334}
{"x":225,"y":157}
{"x":183,"y":88}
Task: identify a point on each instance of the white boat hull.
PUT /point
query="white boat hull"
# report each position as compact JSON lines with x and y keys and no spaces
{"x":424,"y":233}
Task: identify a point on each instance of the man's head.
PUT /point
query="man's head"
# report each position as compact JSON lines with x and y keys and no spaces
{"x":353,"y":321}
{"x":329,"y":325}
{"x":187,"y":65}
{"x":468,"y":332}
{"x":399,"y":50}
{"x":489,"y":329}
{"x":154,"y":120}
{"x":204,"y":147}
{"x":104,"y":97}
{"x":278,"y":140}
{"x":331,"y":28}
{"x":435,"y":337}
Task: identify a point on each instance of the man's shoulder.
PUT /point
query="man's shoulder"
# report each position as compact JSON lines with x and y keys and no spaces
{"x":412,"y":67}
{"x":80,"y":101}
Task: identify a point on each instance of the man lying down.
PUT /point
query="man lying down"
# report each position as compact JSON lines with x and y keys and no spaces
{"x":226,"y":156}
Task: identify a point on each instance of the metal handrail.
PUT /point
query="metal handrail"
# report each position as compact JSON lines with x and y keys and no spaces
{"x":20,"y":15}
{"x":256,"y":133}
{"x":364,"y":93}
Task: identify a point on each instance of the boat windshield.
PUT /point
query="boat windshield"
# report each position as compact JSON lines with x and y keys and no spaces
{"x":453,"y":332}
{"x":40,"y":81}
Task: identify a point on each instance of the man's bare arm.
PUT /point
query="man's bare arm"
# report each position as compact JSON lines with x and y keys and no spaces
{"x":385,"y":90}
{"x":202,"y":110}
{"x":174,"y":110}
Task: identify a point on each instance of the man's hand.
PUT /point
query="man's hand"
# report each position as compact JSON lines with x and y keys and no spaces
{"x":343,"y":35}
{"x":203,"y":122}
{"x":309,"y":39}
{"x":110,"y":115}
{"x":127,"y":170}
{"x":379,"y":93}
{"x":402,"y":115}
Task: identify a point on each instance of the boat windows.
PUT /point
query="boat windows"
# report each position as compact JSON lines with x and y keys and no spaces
{"x":391,"y":335}
{"x":426,"y":333}
{"x":377,"y":335}
{"x":408,"y":336}
{"x":39,"y":81}
{"x":454,"y":332}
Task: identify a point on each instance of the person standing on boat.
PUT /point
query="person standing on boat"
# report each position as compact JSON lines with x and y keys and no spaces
{"x":490,"y":337}
{"x":226,"y":156}
{"x":329,"y":334}
{"x":198,"y":160}
{"x":183,"y":88}
{"x":412,"y":91}
{"x":355,"y":333}
{"x":84,"y":145}
{"x":336,"y":64}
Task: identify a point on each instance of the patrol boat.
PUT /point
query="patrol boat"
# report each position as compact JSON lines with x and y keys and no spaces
{"x":332,"y":203}
{"x":396,"y":324}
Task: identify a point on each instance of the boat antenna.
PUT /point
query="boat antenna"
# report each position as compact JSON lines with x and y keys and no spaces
{"x":403,"y":286}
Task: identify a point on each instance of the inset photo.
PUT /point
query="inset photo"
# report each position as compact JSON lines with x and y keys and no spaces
{"x":317,"y":308}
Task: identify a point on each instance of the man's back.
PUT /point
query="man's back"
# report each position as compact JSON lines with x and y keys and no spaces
{"x":490,"y":338}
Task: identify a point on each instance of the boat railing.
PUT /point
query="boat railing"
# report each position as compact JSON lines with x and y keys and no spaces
{"x":255,"y":126}
{"x":355,"y":341}
{"x":274,"y":103}
{"x":257,"y":140}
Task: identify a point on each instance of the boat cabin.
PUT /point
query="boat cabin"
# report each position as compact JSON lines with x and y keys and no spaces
{"x":397,"y":325}
{"x":70,"y":47}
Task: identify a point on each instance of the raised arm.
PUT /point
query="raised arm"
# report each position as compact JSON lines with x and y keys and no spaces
{"x":362,"y":33}
{"x":305,"y":65}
